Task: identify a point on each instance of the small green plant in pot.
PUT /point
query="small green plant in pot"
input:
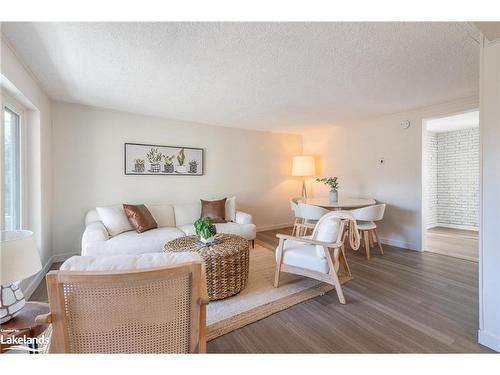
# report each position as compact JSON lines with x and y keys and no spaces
{"x":169,"y":163}
{"x":154,"y":157}
{"x":181,"y":168}
{"x":193,"y":166}
{"x":334,"y":186}
{"x":139,"y":166}
{"x":205,"y":228}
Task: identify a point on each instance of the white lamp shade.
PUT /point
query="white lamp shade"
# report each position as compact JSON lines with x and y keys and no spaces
{"x":19,"y":257}
{"x":303,"y":166}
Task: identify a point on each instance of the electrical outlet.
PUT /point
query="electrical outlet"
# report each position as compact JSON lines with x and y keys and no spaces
{"x":381,"y":161}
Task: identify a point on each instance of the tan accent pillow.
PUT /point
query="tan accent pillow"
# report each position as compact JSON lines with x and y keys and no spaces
{"x":214,"y":209}
{"x":139,"y":217}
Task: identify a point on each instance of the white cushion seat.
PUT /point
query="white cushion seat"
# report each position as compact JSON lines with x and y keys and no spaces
{"x":366,"y":225}
{"x":127,"y":262}
{"x":301,"y":255}
{"x":132,"y":242}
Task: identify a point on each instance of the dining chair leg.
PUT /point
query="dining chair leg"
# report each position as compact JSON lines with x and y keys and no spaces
{"x":367,"y":244}
{"x":370,"y":238}
{"x":378,"y":242}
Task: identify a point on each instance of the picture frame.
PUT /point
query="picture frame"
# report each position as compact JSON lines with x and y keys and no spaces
{"x":142,"y":159}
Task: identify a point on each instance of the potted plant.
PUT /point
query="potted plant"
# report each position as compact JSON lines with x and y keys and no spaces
{"x":154,"y":157}
{"x":205,"y":228}
{"x":181,"y":168}
{"x":169,"y":163}
{"x":334,"y":186}
{"x":139,"y":165}
{"x":193,"y":166}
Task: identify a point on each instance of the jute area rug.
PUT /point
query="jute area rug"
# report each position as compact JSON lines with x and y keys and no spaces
{"x":260,"y":299}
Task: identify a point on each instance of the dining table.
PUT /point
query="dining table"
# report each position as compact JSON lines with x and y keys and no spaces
{"x":343,"y":203}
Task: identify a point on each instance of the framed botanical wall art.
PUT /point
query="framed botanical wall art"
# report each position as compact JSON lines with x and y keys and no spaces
{"x":145,"y":159}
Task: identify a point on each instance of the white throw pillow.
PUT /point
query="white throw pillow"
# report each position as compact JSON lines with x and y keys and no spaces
{"x":114,"y":219}
{"x":231,"y":209}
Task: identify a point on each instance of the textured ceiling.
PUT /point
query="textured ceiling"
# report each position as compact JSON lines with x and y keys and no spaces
{"x":274,"y":76}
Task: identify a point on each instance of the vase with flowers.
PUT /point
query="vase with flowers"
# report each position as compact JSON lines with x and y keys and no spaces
{"x":332,"y":182}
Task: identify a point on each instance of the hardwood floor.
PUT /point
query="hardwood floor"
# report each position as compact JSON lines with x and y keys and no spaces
{"x":456,"y":243}
{"x":401,"y":302}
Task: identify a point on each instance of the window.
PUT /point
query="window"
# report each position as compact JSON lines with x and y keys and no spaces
{"x":12,"y":170}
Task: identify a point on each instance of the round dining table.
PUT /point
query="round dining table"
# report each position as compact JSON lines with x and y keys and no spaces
{"x":343,"y":203}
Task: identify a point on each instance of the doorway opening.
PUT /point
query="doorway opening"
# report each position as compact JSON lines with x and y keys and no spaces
{"x":450,"y":182}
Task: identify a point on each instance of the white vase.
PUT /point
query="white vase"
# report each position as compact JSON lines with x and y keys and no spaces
{"x":207,"y":240}
{"x":181,"y":169}
{"x":334,"y":195}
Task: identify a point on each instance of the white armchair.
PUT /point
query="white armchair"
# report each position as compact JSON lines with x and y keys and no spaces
{"x":320,"y":255}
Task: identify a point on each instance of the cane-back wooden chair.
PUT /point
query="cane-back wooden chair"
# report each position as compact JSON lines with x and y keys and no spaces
{"x":156,"y":310}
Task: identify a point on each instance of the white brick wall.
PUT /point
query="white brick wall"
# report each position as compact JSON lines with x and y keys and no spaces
{"x":456,"y":185}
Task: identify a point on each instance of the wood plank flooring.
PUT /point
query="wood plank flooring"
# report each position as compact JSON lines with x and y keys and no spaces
{"x":402,"y":302}
{"x":456,"y":243}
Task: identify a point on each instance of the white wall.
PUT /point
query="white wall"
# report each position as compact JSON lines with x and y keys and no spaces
{"x":458,"y":178}
{"x":489,"y":243}
{"x":352,"y":152}
{"x":25,"y":89}
{"x":431,"y":178}
{"x":88,"y":167}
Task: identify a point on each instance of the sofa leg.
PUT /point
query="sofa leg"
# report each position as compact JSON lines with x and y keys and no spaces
{"x":253,"y":243}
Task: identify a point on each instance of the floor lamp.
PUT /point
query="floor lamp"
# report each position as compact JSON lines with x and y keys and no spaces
{"x":303,"y":166}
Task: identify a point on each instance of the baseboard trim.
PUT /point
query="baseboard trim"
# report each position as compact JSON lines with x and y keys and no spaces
{"x":489,"y":339}
{"x":274,"y":226}
{"x":398,"y":243}
{"x":33,"y":284}
{"x":454,"y":226}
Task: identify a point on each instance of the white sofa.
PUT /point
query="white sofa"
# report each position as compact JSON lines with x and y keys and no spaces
{"x":173,"y":221}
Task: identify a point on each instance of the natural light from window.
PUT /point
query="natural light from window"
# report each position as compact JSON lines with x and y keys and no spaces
{"x":12,"y":168}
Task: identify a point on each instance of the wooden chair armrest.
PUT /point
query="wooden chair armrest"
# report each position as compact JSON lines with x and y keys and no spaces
{"x":308,"y":240}
{"x":43,"y":319}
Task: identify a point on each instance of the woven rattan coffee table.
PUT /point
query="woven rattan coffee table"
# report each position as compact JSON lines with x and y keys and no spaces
{"x":226,"y":262}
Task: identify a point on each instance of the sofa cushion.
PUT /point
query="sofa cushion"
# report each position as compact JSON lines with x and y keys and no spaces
{"x":231,"y":209}
{"x":140,"y":217}
{"x":163,"y":214}
{"x":134,"y":243}
{"x":127,"y":262}
{"x":216,"y":210}
{"x":114,"y":219}
{"x":247,"y":231}
{"x":187,"y":213}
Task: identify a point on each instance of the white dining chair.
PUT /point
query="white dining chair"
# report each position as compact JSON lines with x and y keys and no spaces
{"x":365,"y":219}
{"x":321,"y":255}
{"x":294,"y":205}
{"x":310,"y":215}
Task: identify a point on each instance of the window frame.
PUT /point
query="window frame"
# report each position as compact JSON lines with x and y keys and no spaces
{"x":17,"y":108}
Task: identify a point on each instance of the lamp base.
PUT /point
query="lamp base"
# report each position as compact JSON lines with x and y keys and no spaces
{"x":11,"y":301}
{"x":304,"y":190}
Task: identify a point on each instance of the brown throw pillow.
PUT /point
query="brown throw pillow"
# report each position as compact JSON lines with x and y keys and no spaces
{"x":139,"y":217}
{"x":214,"y":209}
